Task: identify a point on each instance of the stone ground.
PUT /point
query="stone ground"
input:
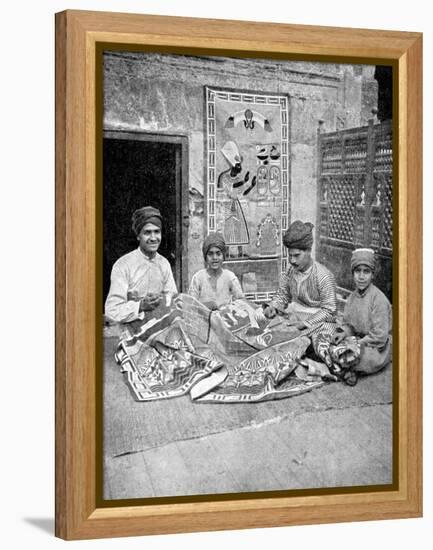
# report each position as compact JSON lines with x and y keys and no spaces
{"x":334,"y":436}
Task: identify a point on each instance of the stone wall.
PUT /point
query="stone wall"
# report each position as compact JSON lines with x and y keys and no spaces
{"x":164,"y":93}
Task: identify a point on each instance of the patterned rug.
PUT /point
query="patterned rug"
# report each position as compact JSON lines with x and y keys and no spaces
{"x":216,"y":357}
{"x":267,"y":374}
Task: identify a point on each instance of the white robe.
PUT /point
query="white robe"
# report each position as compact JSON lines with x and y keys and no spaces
{"x":133,"y":276}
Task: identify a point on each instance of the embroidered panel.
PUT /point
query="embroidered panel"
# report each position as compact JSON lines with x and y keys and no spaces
{"x":247,"y":178}
{"x":187,"y":349}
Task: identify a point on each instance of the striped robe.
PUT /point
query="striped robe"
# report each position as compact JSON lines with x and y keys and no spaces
{"x":316,"y":291}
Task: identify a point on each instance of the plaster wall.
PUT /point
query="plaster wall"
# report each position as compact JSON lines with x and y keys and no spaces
{"x":165,"y":93}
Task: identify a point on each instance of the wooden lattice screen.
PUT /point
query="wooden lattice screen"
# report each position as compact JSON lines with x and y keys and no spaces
{"x":355,"y":200}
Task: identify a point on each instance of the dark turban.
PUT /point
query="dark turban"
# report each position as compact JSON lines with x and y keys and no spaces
{"x":214,"y":239}
{"x":299,"y":235}
{"x":147,"y":214}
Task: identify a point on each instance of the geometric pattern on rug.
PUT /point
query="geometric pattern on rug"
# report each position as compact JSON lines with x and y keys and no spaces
{"x":188,"y":349}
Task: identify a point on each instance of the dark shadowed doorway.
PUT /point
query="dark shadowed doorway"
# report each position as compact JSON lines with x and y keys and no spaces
{"x":142,"y":169}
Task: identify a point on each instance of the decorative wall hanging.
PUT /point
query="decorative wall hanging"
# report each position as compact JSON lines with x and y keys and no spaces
{"x":247,"y":178}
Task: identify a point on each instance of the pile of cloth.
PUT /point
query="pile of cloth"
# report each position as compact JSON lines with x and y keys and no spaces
{"x":231,"y":355}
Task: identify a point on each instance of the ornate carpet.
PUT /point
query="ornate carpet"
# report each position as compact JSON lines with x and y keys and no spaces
{"x":215,"y":357}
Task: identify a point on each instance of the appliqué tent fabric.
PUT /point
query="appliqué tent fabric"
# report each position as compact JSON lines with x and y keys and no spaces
{"x":187,"y":349}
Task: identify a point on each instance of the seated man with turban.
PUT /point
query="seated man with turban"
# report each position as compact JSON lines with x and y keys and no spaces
{"x":142,"y":277}
{"x":307,"y":289}
{"x":215,"y":286}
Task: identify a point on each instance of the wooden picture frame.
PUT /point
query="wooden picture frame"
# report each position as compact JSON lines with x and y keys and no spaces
{"x":78,"y":33}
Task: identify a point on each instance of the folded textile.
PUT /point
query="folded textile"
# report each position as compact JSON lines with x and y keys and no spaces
{"x":165,"y":365}
{"x":189,"y":349}
{"x":265,"y":375}
{"x":341,"y":357}
{"x":310,"y":371}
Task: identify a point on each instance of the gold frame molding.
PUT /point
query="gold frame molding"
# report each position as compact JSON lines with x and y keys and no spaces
{"x":78,"y":33}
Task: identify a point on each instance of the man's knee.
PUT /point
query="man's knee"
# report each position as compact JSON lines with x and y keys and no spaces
{"x":370,"y":361}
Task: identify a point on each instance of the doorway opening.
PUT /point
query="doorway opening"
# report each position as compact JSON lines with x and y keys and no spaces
{"x":142,"y":169}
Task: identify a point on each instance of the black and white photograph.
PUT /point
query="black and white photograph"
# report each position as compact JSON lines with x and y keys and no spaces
{"x":247,"y":275}
{"x":216,"y":275}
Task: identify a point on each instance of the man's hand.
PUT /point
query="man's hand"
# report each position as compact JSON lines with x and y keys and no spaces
{"x":270,"y":311}
{"x":149,"y":302}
